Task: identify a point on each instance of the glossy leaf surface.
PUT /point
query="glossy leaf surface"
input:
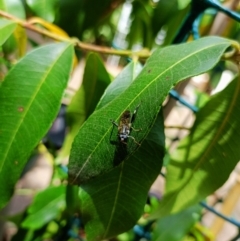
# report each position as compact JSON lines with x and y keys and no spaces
{"x":6,"y":29}
{"x":96,"y":145}
{"x":30,"y":97}
{"x":204,"y":160}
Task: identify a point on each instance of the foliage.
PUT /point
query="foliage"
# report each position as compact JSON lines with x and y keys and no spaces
{"x":112,"y":178}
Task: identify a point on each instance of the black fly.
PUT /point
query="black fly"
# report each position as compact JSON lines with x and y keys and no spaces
{"x":125,"y":126}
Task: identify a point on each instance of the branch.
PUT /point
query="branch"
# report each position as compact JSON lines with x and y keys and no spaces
{"x":144,"y":53}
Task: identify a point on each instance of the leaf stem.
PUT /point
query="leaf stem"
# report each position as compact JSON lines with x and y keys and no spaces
{"x":144,"y":53}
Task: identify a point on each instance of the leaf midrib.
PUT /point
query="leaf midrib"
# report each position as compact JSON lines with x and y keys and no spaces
{"x":115,"y":201}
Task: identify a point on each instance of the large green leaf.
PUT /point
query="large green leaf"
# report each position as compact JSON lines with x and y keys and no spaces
{"x":95,"y":81}
{"x":46,"y":206}
{"x":114,"y":198}
{"x":204,"y":160}
{"x":30,"y":98}
{"x":112,"y":203}
{"x":95,"y":150}
{"x":6,"y":29}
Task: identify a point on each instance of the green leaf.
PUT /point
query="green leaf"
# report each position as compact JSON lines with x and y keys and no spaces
{"x":95,"y":81}
{"x":121,"y":83}
{"x":165,"y":11}
{"x":6,"y":29}
{"x":46,"y":206}
{"x":204,"y":160}
{"x":94,"y":15}
{"x":72,"y":199}
{"x":172,"y":26}
{"x":30,"y":98}
{"x":141,"y":31}
{"x":94,"y":148}
{"x":112,"y":203}
{"x":176,"y":226}
{"x":43,"y":8}
{"x":14,"y":7}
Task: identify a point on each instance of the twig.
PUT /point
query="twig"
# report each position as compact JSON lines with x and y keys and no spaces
{"x":144,"y":53}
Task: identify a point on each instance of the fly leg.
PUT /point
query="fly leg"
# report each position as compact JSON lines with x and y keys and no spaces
{"x":134,"y":140}
{"x":136,"y":129}
{"x":114,"y":124}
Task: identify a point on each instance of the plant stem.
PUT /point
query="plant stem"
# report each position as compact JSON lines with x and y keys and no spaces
{"x":144,"y":53}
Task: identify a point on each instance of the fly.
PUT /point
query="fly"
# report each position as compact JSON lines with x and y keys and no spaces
{"x":125,"y":126}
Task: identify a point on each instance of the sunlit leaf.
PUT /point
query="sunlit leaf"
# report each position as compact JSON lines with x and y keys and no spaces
{"x":204,"y":160}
